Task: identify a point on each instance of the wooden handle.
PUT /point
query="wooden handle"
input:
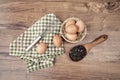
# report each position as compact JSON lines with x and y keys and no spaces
{"x":98,"y":40}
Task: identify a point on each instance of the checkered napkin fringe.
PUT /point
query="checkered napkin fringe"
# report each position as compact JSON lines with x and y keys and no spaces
{"x":34,"y":60}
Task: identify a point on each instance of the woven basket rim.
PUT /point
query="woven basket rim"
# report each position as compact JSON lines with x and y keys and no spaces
{"x":62,"y":26}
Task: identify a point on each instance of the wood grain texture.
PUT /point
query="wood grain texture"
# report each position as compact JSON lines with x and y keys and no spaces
{"x":100,"y":16}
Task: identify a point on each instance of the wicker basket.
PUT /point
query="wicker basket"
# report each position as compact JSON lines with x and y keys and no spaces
{"x":81,"y":35}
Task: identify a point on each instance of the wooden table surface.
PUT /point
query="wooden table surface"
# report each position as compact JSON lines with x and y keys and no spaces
{"x":100,"y":16}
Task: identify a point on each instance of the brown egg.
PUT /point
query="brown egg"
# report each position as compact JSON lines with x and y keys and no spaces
{"x":69,"y":22}
{"x":72,"y":29}
{"x":41,"y":48}
{"x":71,"y":37}
{"x":80,"y":25}
{"x":57,"y":40}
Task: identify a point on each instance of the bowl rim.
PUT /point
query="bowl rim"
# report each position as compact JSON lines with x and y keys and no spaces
{"x":61,"y":32}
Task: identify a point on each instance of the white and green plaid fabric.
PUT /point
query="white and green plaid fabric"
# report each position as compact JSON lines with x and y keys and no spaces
{"x":34,"y":60}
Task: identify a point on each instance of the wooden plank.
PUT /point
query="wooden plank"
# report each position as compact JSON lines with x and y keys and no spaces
{"x":40,"y":8}
{"x":9,"y":75}
{"x":110,"y":46}
{"x":63,"y":66}
{"x":92,"y":21}
{"x":87,"y":1}
{"x":111,"y":52}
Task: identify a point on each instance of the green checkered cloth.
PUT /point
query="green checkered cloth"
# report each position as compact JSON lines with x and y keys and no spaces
{"x":34,"y":60}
